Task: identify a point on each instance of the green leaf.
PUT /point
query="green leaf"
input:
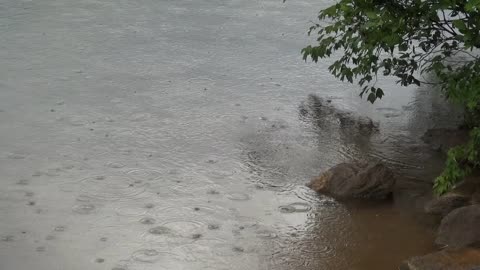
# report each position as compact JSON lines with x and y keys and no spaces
{"x":372,"y":97}
{"x":371,"y":14}
{"x":379,"y":93}
{"x":460,"y":25}
{"x":472,"y":5}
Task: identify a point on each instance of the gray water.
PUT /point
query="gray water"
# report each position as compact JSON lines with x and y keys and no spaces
{"x":169,"y":135}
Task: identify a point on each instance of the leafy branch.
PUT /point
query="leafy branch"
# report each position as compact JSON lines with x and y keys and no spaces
{"x":405,"y":39}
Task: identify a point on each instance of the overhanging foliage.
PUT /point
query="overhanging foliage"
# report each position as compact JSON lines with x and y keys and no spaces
{"x":408,"y":39}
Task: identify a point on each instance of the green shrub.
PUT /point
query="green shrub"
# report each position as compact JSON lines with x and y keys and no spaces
{"x":407,"y":39}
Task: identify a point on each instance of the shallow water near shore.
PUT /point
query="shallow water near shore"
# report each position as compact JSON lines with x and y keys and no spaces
{"x":180,"y":135}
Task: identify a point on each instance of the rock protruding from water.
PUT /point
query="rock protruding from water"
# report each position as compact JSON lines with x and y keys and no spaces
{"x":465,"y":193}
{"x":462,"y":259}
{"x":356,"y":180}
{"x":460,"y":228}
{"x":443,"y":205}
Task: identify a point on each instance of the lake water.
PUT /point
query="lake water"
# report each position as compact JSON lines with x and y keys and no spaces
{"x":180,"y":134}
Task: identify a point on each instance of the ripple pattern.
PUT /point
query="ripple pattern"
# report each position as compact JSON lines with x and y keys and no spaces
{"x":112,"y":188}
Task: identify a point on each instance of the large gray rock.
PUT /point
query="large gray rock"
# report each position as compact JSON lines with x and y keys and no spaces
{"x":460,"y":228}
{"x":462,"y":259}
{"x":356,"y":180}
{"x":443,"y":205}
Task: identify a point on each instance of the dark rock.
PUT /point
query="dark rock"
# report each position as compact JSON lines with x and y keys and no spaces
{"x":322,"y":112}
{"x":476,"y":197}
{"x":462,"y":259}
{"x":443,"y":139}
{"x":443,"y":205}
{"x":470,"y":186}
{"x":238,"y":249}
{"x":460,"y":228}
{"x":362,"y":123}
{"x":213,"y":226}
{"x":356,"y":180}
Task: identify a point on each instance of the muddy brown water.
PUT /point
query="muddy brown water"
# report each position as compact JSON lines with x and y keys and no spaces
{"x":179,"y":135}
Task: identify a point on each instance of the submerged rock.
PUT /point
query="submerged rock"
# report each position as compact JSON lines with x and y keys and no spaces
{"x":460,"y":228}
{"x":362,"y":123}
{"x":356,"y":180}
{"x":462,"y":259}
{"x":322,"y":112}
{"x":443,"y":205}
{"x":443,"y":139}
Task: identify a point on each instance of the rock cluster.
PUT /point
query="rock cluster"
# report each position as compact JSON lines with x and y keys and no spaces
{"x":459,"y":211}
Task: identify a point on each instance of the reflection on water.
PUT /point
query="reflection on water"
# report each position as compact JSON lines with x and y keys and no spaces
{"x":180,"y":134}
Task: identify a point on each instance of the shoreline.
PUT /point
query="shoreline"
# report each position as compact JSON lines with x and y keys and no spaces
{"x":453,"y":217}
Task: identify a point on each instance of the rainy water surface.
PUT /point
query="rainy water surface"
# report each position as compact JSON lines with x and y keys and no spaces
{"x":180,"y":134}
